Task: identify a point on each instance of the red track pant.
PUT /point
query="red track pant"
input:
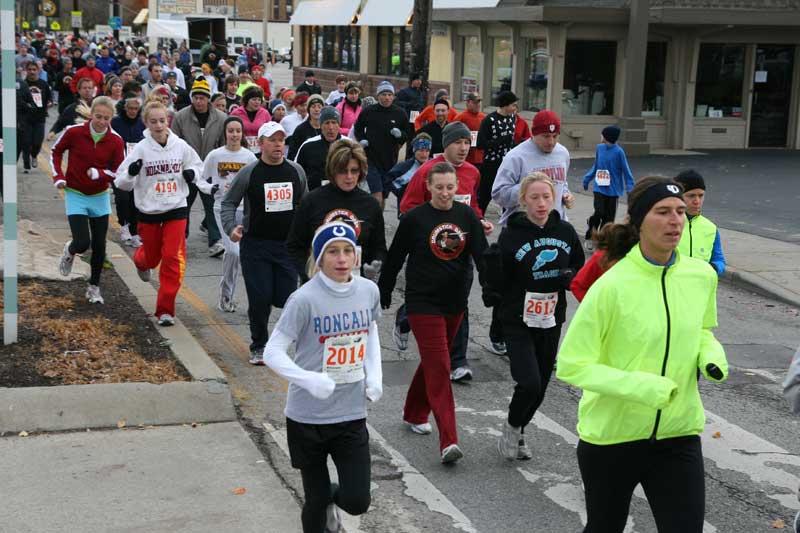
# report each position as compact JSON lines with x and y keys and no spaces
{"x":163,"y":243}
{"x":430,"y":389}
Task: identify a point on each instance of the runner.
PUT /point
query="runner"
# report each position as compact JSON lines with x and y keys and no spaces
{"x":612,"y":178}
{"x":598,"y":264}
{"x":403,"y":171}
{"x":341,"y":200}
{"x":538,"y":255}
{"x":158,"y":170}
{"x":439,"y":237}
{"x":129,"y":125}
{"x":271,"y":189}
{"x":435,"y":127}
{"x":640,"y":416}
{"x":219,"y":170}
{"x":76,"y":112}
{"x":496,"y":138}
{"x":311,"y":127}
{"x":472,"y":117}
{"x":313,"y":153}
{"x":700,"y":235}
{"x":33,"y":121}
{"x":95,"y":152}
{"x":326,"y":404}
{"x":252,"y":115}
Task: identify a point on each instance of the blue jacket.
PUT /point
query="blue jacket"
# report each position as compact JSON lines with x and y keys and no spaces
{"x":611,"y":158}
{"x":131,"y":131}
{"x":107,"y":64}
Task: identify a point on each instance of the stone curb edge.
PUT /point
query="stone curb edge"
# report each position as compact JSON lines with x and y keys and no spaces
{"x":755,"y":283}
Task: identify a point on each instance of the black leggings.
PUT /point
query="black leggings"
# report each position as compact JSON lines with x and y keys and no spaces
{"x":126,"y":209}
{"x":348,"y":445}
{"x":81,"y":226}
{"x":670,"y":472}
{"x":488,"y":173}
{"x":531,"y":352}
{"x":605,"y":210}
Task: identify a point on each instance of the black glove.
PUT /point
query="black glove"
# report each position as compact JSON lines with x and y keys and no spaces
{"x":188,"y":175}
{"x":135,"y":168}
{"x":214,"y":189}
{"x":714,"y":371}
{"x":490,"y":297}
{"x":565,"y":276}
{"x":386,"y":300}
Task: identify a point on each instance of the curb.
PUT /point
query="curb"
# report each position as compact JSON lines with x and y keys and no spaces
{"x":71,"y":407}
{"x":757,"y":284}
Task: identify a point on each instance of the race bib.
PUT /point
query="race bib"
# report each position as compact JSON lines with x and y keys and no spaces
{"x":463,"y":198}
{"x":344,"y":357}
{"x":37,"y":97}
{"x":278,"y":197}
{"x":166,"y":188}
{"x":539,"y":309}
{"x":413,"y":116}
{"x":251,"y":142}
{"x":357,"y":266}
{"x":602,"y":178}
{"x":473,"y":138}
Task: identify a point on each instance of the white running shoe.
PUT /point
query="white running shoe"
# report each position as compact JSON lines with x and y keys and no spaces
{"x":498,"y":348}
{"x":257,"y":357}
{"x":135,"y":241}
{"x":523,"y":452}
{"x":419,"y":429}
{"x":93,"y":295}
{"x":65,"y":263}
{"x":400,"y":338}
{"x":462,"y":373}
{"x":333,"y":522}
{"x":166,"y":320}
{"x":451,"y":454}
{"x":144,"y":275}
{"x":216,"y":249}
{"x":124,"y":234}
{"x":508,"y":441}
{"x":226,"y":304}
{"x":34,"y":162}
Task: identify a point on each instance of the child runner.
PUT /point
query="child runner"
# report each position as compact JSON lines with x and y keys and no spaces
{"x":336,"y":369}
{"x":700,"y":235}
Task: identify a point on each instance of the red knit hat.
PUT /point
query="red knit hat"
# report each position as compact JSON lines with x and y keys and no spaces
{"x":546,"y":122}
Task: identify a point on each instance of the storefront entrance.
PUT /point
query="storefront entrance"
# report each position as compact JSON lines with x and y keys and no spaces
{"x":772,"y":86}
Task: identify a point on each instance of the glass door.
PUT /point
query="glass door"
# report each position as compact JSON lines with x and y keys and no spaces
{"x":772,"y":86}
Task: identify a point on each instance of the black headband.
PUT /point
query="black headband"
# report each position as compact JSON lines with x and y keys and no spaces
{"x":650,"y":197}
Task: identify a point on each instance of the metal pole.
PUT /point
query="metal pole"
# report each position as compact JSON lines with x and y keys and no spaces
{"x":265,"y":5}
{"x":115,"y":8}
{"x":421,"y":42}
{"x":76,"y":31}
{"x":9,"y":112}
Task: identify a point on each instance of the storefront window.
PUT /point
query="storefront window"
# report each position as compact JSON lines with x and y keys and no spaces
{"x":501,"y":66}
{"x":394,"y":50}
{"x":471,"y":65}
{"x":536,"y":72}
{"x":655,"y":68}
{"x":334,"y":47}
{"x":589,"y":70}
{"x":720,"y":77}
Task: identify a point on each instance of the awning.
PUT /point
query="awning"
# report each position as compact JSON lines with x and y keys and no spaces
{"x":176,"y":29}
{"x":383,"y":13}
{"x":463,"y":4}
{"x":325,"y":13}
{"x":141,"y":17}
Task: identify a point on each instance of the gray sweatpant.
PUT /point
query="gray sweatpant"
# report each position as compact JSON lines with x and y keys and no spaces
{"x":230,"y":260}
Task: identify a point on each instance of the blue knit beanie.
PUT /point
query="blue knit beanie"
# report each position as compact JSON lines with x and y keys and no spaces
{"x":331,"y":232}
{"x":385,"y":87}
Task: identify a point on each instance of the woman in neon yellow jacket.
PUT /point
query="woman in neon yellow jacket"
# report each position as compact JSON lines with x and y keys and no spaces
{"x":634,"y":347}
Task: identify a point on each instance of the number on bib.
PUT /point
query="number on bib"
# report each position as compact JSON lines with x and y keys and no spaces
{"x":463,"y":198}
{"x":602,"y":178}
{"x":344,"y":357}
{"x":539,"y":309}
{"x":473,"y":138}
{"x":278,"y":197}
{"x":166,"y":188}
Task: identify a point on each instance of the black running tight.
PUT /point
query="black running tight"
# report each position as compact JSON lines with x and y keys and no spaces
{"x":82,"y":227}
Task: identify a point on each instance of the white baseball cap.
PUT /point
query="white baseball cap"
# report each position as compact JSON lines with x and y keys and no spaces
{"x":268,"y":129}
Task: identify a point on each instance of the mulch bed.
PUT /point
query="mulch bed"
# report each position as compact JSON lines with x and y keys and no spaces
{"x":65,"y":340}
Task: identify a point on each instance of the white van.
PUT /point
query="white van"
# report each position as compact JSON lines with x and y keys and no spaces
{"x":238,"y":40}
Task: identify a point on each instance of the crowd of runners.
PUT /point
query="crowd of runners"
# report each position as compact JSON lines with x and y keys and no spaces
{"x":293,"y":185}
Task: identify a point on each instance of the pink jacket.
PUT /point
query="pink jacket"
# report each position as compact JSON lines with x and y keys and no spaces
{"x":349,"y":116}
{"x":250,"y":139}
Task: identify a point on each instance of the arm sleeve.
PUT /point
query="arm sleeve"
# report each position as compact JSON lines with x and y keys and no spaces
{"x":586,"y":276}
{"x":206,"y":179}
{"x":298,"y":241}
{"x":57,"y":157}
{"x":62,"y":121}
{"x":360,"y":126}
{"x":711,"y":351}
{"x":192,"y":161}
{"x":626,"y":170}
{"x":124,"y":181}
{"x":415,"y":192}
{"x":396,"y":257}
{"x":372,"y":364}
{"x":505,"y":191}
{"x":576,"y":256}
{"x":377,"y":238}
{"x":479,"y":243}
{"x":231,"y":200}
{"x":108,"y":174}
{"x":590,"y":173}
{"x":473,"y":201}
{"x":791,"y":385}
{"x":422,"y":119}
{"x":580,"y":361}
{"x":277,"y":358}
{"x":717,"y":257}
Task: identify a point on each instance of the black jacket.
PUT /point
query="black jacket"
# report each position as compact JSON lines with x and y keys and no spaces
{"x":65,"y":95}
{"x":435,"y":131}
{"x":409,"y":99}
{"x":311,"y":156}
{"x":301,"y":134}
{"x":68,"y":117}
{"x":309,"y":89}
{"x":374,"y":124}
{"x":39,"y":113}
{"x":180,"y":98}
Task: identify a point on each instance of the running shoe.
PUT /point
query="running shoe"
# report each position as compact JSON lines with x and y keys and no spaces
{"x":508,"y":441}
{"x":497,"y":348}
{"x":257,"y":357}
{"x":65,"y":263}
{"x":34,"y":162}
{"x":462,"y":373}
{"x":333,"y":522}
{"x":400,"y":338}
{"x":226,"y":304}
{"x":144,"y":275}
{"x":216,"y":249}
{"x":419,"y":429}
{"x":523,"y":452}
{"x":451,"y":454}
{"x":203,"y":228}
{"x":26,"y":171}
{"x":125,"y":234}
{"x":93,"y":295}
{"x":166,"y":320}
{"x":135,"y":241}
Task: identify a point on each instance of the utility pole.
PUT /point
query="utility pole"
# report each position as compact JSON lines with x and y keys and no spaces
{"x":9,"y":123}
{"x":115,"y":14}
{"x":265,"y":5}
{"x":76,"y":31}
{"x":421,"y":42}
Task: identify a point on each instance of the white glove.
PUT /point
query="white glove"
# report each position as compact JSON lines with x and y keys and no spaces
{"x":373,"y":270}
{"x":320,"y":385}
{"x":93,"y":174}
{"x":364,"y":143}
{"x":374,"y":391}
{"x":395,"y":133}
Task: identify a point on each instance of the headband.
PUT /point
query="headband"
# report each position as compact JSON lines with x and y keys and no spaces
{"x":331,"y":232}
{"x":422,"y":143}
{"x":650,"y":197}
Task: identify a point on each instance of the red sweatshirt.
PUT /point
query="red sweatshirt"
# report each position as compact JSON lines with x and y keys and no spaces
{"x":84,"y":154}
{"x":473,"y":122}
{"x":587,"y":275}
{"x":428,"y":115}
{"x":467,"y":192}
{"x":94,"y":74}
{"x":521,"y":131}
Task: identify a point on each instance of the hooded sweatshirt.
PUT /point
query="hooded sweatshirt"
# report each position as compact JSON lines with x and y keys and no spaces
{"x":250,"y":139}
{"x":349,"y":114}
{"x":611,"y":174}
{"x":105,"y":155}
{"x":159,"y":189}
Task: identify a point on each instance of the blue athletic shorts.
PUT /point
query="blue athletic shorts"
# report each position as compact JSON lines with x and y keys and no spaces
{"x":375,"y":179}
{"x":96,"y":205}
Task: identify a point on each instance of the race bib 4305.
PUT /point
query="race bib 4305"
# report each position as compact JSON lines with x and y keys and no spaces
{"x":278,"y":197}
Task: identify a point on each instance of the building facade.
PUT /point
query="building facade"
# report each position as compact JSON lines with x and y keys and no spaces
{"x":682,"y":74}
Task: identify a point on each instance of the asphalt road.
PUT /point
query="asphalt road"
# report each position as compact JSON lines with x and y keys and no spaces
{"x":754,"y":191}
{"x":752,"y":469}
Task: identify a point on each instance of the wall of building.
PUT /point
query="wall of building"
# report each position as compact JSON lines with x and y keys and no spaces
{"x":441,"y":58}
